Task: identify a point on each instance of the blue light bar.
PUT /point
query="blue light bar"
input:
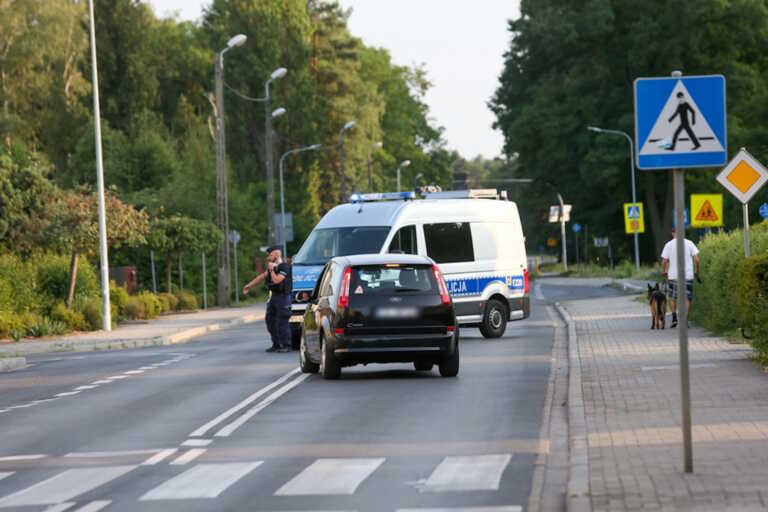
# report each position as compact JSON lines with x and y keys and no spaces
{"x":381,"y":196}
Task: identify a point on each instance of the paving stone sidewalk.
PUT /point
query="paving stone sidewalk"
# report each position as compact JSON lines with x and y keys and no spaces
{"x":631,"y":392}
{"x":165,"y":330}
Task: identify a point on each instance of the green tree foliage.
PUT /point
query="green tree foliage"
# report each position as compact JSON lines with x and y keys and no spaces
{"x":572,"y":64}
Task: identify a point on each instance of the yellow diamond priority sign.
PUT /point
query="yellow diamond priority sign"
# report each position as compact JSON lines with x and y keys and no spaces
{"x":743,"y":176}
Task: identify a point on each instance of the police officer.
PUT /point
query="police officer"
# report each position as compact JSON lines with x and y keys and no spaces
{"x":279,"y":282}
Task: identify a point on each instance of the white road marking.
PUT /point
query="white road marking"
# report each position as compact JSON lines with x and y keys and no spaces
{"x":64,"y":486}
{"x":159,"y":457}
{"x":188,"y":456}
{"x":510,"y":508}
{"x":117,"y":453}
{"x":61,"y":507}
{"x":197,"y":442}
{"x":330,"y":476}
{"x":468,"y":473}
{"x":13,"y":458}
{"x":201,"y":481}
{"x":242,"y":405}
{"x":134,"y":372}
{"x":82,"y":388}
{"x":67,"y":393}
{"x":100,"y":382}
{"x":147,"y":367}
{"x":538,"y":294}
{"x":117,"y":377}
{"x":94,"y":506}
{"x":5,"y":474}
{"x":227,"y":431}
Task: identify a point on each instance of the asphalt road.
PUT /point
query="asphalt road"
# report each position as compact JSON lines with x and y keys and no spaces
{"x":217,"y":424}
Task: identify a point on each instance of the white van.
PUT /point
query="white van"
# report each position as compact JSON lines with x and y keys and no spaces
{"x":474,"y":236}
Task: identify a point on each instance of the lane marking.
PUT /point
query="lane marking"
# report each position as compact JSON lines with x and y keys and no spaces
{"x":64,"y":486}
{"x":159,"y":457}
{"x":133,"y":372}
{"x":188,"y":456}
{"x":12,"y":458}
{"x":6,"y":474}
{"x":147,"y":367}
{"x":117,"y":377}
{"x":117,"y":453}
{"x":67,"y":393}
{"x":467,"y":473}
{"x":100,"y":382}
{"x":197,"y":442}
{"x":509,"y":508}
{"x":227,"y":431}
{"x":330,"y":476}
{"x":538,"y":294}
{"x":242,"y":405}
{"x":94,"y":506}
{"x":201,"y":481}
{"x":61,"y":507}
{"x":82,"y":388}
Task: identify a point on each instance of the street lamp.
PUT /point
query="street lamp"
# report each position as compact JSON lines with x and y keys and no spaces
{"x":268,"y":115}
{"x":404,"y":163}
{"x":278,"y":112}
{"x":632,"y":168}
{"x":348,"y":126}
{"x":222,"y":201}
{"x":374,"y":147}
{"x":313,"y":147}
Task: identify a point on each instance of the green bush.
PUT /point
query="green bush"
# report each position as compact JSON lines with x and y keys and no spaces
{"x":73,"y":319}
{"x":118,"y":297}
{"x":18,"y":287}
{"x":151,"y":304}
{"x":752,"y":301}
{"x":44,"y":326}
{"x":53,"y":278}
{"x":165,"y":306}
{"x":173,"y":301}
{"x":91,"y":310}
{"x":10,"y":323}
{"x":187,"y":301}
{"x":134,"y":309}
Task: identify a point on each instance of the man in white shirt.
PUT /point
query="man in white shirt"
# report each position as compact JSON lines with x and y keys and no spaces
{"x":669,"y":269}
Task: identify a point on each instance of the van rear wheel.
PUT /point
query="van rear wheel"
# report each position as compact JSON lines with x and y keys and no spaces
{"x":495,"y":319}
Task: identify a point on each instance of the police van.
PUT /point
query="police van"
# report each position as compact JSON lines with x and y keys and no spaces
{"x":474,"y":236}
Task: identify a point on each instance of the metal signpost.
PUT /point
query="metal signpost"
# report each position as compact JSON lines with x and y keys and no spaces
{"x":743,"y":177}
{"x":561,"y":214}
{"x":234,"y":237}
{"x":205,"y":285}
{"x":679,"y":124}
{"x":576,"y":227}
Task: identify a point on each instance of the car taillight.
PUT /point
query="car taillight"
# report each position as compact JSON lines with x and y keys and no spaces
{"x":344,"y":292}
{"x":526,"y":280}
{"x":450,"y":328}
{"x":445,"y":297}
{"x":339,"y":332}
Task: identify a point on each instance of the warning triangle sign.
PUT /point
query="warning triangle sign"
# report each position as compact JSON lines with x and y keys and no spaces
{"x":707,"y":213}
{"x":680,"y":127}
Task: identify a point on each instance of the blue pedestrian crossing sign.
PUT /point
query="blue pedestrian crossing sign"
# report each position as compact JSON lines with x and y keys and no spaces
{"x":764,"y":210}
{"x":680,"y":122}
{"x":633,"y":212}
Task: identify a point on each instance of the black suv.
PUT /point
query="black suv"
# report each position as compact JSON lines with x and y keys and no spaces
{"x":379,"y":308}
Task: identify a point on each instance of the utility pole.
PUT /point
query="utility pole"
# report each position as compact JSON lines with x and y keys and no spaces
{"x":223,"y":290}
{"x":268,"y":141}
{"x":562,"y":233}
{"x":346,"y":127}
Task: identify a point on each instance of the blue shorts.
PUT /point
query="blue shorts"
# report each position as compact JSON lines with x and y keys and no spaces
{"x":672,"y":289}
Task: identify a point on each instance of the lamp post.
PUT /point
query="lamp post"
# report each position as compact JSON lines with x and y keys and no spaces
{"x":282,"y":195}
{"x":223,"y":290}
{"x":374,"y":147}
{"x":632,"y":170}
{"x":268,"y":115}
{"x":404,"y":163}
{"x":562,"y":233}
{"x":348,"y":126}
{"x":106,"y":313}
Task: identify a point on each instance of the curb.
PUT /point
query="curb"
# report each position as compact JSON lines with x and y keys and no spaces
{"x":167,"y":339}
{"x":8,"y":364}
{"x":577,"y":497}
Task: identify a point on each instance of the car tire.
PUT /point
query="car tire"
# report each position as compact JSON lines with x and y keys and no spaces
{"x":329,"y":366}
{"x":306,"y":365}
{"x":449,"y":365}
{"x":423,"y":365}
{"x":495,"y":319}
{"x":296,"y":337}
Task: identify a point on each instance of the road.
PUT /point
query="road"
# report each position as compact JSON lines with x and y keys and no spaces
{"x":217,"y":424}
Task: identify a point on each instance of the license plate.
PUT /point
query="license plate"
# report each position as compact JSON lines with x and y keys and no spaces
{"x":296,"y":319}
{"x":397,"y":313}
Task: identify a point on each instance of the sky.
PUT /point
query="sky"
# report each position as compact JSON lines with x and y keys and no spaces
{"x":461,"y":45}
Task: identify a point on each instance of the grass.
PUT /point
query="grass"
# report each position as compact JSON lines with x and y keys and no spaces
{"x":624,"y":270}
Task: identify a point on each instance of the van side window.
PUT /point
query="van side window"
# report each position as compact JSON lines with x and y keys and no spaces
{"x":450,"y":242}
{"x":404,"y":241}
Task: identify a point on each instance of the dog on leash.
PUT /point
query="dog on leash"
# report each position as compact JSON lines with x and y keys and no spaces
{"x":658,"y":302}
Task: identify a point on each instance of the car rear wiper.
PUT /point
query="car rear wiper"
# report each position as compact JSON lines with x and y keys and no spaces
{"x":408,"y":290}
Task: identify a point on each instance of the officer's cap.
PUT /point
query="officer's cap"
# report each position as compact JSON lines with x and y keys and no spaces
{"x":274,"y":248}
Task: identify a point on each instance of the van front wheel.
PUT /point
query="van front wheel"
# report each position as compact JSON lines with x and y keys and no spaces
{"x":495,"y":319}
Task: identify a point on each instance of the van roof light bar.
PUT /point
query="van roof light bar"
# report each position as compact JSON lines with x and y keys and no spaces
{"x":382,"y":196}
{"x":475,"y":193}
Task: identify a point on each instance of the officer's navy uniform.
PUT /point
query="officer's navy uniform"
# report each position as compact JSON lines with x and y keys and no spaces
{"x":279,"y":308}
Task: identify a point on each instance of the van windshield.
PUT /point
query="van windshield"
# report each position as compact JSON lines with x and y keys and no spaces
{"x":324,"y":244}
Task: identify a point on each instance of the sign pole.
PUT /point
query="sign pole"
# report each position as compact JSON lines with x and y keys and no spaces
{"x":682,"y":314}
{"x":562,"y":233}
{"x":205,"y":285}
{"x":745,"y":207}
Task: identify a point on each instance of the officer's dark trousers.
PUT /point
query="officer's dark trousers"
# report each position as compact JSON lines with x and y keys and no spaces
{"x":278,"y":315}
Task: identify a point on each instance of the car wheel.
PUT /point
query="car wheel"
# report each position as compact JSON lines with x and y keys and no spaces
{"x":495,"y":319}
{"x":449,"y":365}
{"x":306,"y":365}
{"x":329,"y":366}
{"x":423,"y":365}
{"x":296,"y":337}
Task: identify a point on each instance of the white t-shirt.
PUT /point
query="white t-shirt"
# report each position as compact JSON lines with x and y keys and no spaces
{"x":670,"y":253}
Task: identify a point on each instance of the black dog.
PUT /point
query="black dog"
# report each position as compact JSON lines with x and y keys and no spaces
{"x":658,"y":302}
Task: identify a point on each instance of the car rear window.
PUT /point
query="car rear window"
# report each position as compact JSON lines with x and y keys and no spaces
{"x":392,"y":279}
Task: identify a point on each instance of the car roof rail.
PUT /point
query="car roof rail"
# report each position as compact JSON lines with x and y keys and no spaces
{"x":473,"y":193}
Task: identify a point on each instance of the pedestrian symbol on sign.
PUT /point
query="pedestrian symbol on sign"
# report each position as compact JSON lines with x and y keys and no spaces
{"x":633,"y":212}
{"x":707,"y":213}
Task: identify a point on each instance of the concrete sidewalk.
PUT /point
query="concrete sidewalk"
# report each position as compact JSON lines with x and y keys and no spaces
{"x":629,"y":382}
{"x":165,"y":330}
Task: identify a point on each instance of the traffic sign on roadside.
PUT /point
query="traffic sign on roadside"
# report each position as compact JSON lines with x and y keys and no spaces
{"x":554,"y":213}
{"x":764,"y":210}
{"x":576,"y":227}
{"x":743,"y":176}
{"x":707,"y":210}
{"x":601,"y":242}
{"x":680,"y":122}
{"x":634,"y":218}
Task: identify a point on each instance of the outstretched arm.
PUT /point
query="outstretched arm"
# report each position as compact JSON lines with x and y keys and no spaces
{"x":674,"y":116}
{"x":257,"y":280}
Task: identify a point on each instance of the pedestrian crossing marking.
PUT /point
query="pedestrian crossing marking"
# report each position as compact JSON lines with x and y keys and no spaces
{"x":633,"y":212}
{"x":94,"y":506}
{"x":510,"y":508}
{"x":707,"y":213}
{"x":468,"y":473}
{"x":64,"y":486}
{"x":330,"y":476}
{"x":201,"y":481}
{"x":5,"y":474}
